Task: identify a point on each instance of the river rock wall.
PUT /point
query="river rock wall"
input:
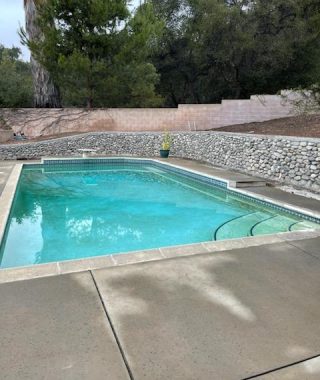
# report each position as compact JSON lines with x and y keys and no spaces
{"x":291,"y":160}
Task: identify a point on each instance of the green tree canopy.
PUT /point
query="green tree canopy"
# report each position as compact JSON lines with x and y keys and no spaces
{"x":214,"y":49}
{"x":98,"y":53}
{"x":170,"y":51}
{"x":15,"y":79}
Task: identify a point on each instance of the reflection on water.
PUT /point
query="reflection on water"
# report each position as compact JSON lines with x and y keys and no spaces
{"x":68,"y":215}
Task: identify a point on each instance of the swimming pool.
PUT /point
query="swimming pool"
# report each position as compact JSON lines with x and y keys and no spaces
{"x":65,"y":210}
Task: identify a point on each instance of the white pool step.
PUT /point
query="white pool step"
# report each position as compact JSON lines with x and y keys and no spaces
{"x":304,"y":225}
{"x":239,"y":227}
{"x":276,"y":223}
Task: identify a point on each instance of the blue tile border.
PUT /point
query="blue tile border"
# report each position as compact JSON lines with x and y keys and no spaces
{"x":131,"y":162}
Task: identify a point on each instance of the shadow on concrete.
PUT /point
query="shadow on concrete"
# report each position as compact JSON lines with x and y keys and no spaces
{"x":216,"y":316}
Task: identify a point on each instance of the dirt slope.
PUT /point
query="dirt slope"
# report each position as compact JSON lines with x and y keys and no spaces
{"x":307,"y":126}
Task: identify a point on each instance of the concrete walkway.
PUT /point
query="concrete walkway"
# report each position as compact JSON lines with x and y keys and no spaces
{"x":239,"y":314}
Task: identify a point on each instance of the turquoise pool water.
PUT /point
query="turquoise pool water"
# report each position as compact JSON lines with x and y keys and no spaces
{"x":71,"y":212}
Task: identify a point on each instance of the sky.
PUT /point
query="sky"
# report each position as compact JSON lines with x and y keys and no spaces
{"x":11,"y":17}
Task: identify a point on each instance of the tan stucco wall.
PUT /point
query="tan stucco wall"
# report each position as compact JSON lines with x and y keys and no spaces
{"x":44,"y":122}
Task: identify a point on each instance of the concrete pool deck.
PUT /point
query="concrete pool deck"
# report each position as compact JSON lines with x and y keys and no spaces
{"x":234,"y":311}
{"x":238,"y":314}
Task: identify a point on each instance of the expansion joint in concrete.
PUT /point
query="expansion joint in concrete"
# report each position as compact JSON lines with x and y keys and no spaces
{"x":302,"y":250}
{"x":281,"y":368}
{"x":113,"y":328}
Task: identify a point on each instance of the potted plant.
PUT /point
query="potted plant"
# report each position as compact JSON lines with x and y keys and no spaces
{"x":166,"y":145}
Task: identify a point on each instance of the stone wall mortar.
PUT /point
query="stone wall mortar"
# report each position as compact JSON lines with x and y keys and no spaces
{"x":290,"y":160}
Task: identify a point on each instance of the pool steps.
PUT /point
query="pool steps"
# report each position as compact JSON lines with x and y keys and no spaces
{"x":238,"y":226}
{"x":266,"y":227}
{"x":259,"y":223}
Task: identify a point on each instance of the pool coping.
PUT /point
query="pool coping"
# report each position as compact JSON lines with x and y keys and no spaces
{"x":146,"y":256}
{"x":7,"y":197}
{"x":135,"y":257}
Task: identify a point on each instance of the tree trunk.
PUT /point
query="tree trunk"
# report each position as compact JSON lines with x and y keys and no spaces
{"x":46,"y":93}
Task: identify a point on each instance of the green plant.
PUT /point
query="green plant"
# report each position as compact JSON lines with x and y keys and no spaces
{"x":167,"y":141}
{"x":15,"y":79}
{"x":98,"y":51}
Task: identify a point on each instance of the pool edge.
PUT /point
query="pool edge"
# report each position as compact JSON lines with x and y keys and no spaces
{"x":7,"y":197}
{"x":146,"y":256}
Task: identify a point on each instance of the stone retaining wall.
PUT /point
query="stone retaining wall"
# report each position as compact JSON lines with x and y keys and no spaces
{"x":290,"y":160}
